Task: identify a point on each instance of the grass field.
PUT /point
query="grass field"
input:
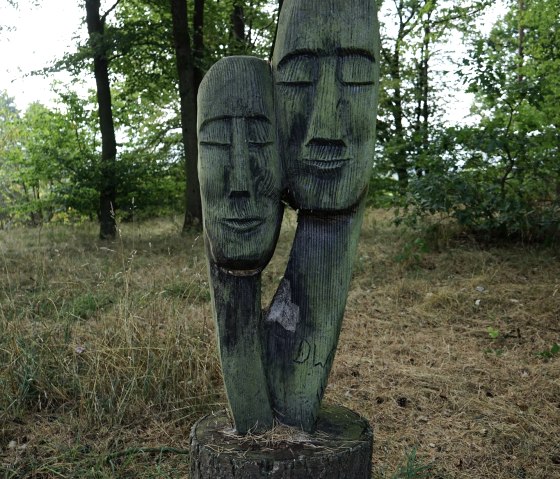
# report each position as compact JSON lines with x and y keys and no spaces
{"x":107,"y":352}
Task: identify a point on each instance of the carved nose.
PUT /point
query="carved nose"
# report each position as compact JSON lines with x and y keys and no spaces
{"x":240,"y":180}
{"x":324,"y":125}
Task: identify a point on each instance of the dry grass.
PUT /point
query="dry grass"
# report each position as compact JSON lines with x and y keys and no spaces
{"x":107,"y":352}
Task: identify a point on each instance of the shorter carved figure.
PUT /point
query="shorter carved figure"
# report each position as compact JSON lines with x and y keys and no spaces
{"x":240,"y":186}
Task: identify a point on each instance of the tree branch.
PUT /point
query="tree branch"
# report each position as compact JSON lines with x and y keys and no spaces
{"x":106,"y":14}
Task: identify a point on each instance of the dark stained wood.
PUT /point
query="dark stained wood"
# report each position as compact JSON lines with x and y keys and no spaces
{"x":327,"y":87}
{"x":237,"y":312}
{"x":303,"y":323}
{"x":240,"y":185}
{"x":341,"y":450}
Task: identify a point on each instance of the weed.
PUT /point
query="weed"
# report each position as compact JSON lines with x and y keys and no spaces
{"x":412,"y":252}
{"x":413,"y":468}
{"x":493,"y":333}
{"x":550,"y":353}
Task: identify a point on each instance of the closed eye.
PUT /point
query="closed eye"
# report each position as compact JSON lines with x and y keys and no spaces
{"x":259,"y":143}
{"x":356,"y":70}
{"x":215,"y":143}
{"x":299,"y":70}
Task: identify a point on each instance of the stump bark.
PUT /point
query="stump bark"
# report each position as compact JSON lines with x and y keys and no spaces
{"x":340,"y":448}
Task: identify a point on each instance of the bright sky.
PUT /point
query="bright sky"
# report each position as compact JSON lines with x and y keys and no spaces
{"x":40,"y":34}
{"x":43,"y":33}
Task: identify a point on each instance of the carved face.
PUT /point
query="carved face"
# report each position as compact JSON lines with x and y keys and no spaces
{"x":238,"y":165}
{"x":326,"y":74}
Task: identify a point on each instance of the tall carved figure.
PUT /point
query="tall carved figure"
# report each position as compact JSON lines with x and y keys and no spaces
{"x":240,"y":184}
{"x":326,"y":73}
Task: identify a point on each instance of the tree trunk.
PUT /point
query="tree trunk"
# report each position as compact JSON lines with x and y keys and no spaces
{"x":108,"y":186}
{"x":399,"y":156}
{"x":280,"y":2}
{"x":423,"y":92}
{"x":341,"y":449}
{"x":238,"y":22}
{"x":198,"y":42}
{"x":188,"y":90}
{"x":521,"y":44}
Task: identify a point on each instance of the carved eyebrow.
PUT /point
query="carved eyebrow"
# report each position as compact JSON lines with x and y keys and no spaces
{"x":305,"y":52}
{"x":302,"y":52}
{"x":357,"y":51}
{"x":212,"y":119}
{"x":256,"y":116}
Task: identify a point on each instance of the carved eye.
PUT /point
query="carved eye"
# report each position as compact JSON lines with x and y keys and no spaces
{"x":298,"y":70}
{"x":259,"y":132}
{"x":216,"y":133}
{"x":357,"y":70}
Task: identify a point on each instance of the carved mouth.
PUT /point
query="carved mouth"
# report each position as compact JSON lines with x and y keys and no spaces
{"x":326,"y":164}
{"x":326,"y":154}
{"x":242,"y":225}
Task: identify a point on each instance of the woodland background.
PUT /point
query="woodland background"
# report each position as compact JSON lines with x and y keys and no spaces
{"x":450,"y":342}
{"x":129,"y":148}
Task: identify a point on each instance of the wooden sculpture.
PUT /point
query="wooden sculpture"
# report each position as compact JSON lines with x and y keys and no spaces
{"x":322,"y":96}
{"x":240,"y":187}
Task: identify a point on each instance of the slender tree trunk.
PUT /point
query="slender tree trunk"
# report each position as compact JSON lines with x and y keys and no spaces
{"x":521,"y":46}
{"x":423,"y":106}
{"x":399,"y":156}
{"x":280,"y":2}
{"x":188,"y":89}
{"x":198,"y":42}
{"x":237,"y":28}
{"x":108,"y":187}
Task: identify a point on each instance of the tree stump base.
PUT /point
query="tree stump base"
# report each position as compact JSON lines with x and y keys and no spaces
{"x":340,"y":448}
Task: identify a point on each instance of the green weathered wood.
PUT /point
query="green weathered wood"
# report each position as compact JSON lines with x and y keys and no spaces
{"x":326,"y":76}
{"x":240,"y":187}
{"x":239,"y":172}
{"x":303,"y":323}
{"x":326,"y":90}
{"x":237,"y":312}
{"x":341,"y":450}
{"x":326,"y":73}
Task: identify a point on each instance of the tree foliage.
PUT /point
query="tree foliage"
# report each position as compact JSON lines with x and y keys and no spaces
{"x":138,"y":44}
{"x":501,"y":177}
{"x":413,"y":32}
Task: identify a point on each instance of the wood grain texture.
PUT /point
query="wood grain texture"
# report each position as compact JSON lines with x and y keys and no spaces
{"x":237,"y":313}
{"x":299,"y":351}
{"x":341,"y":450}
{"x":240,"y":179}
{"x":240,"y":185}
{"x":326,"y":74}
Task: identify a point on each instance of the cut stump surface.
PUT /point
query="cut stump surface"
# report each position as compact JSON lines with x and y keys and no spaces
{"x":340,"y":448}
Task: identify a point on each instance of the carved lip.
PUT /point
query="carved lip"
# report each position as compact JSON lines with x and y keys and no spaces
{"x":326,"y":164}
{"x":242,"y":225}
